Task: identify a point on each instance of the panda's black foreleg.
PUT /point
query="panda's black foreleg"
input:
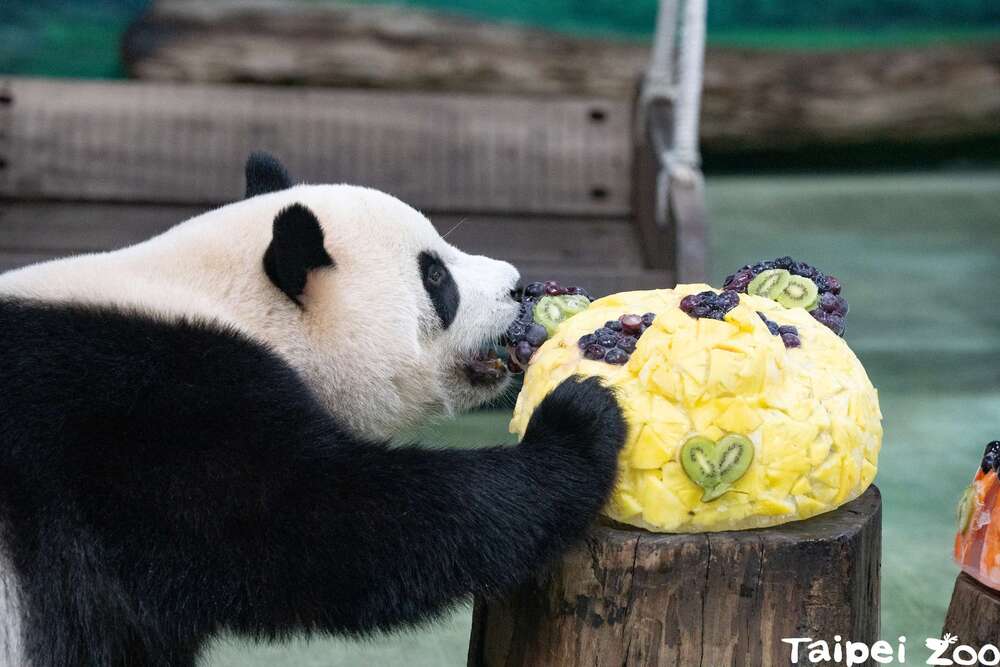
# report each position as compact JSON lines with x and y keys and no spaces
{"x":371,"y":537}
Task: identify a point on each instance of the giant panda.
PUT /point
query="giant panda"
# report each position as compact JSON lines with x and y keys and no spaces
{"x":194,"y":434}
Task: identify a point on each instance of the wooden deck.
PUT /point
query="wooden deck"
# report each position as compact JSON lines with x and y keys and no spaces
{"x":543,"y":183}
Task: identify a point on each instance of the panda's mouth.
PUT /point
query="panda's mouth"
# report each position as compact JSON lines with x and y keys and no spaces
{"x":485,"y":367}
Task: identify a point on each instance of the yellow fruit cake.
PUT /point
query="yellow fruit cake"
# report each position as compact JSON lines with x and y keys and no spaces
{"x":728,"y":428}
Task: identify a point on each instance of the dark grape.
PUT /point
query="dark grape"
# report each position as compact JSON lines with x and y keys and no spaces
{"x":523,"y":352}
{"x":630,"y":324}
{"x":791,"y":340}
{"x":833,"y":322}
{"x":534,"y":290}
{"x":991,"y":458}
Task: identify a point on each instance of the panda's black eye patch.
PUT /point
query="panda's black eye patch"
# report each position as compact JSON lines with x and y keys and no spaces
{"x":440,"y":286}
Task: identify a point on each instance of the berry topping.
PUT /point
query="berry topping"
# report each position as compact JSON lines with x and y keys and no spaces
{"x":630,"y":324}
{"x":543,"y":308}
{"x":615,"y":342}
{"x":794,"y":284}
{"x":709,"y":304}
{"x":616,"y":356}
{"x":991,"y":457}
{"x":789,"y":334}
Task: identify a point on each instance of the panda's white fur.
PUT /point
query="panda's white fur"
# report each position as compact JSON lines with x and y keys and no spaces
{"x":366,"y":339}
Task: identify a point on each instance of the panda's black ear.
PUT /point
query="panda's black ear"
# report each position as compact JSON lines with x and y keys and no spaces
{"x":265,"y":174}
{"x":296,"y":249}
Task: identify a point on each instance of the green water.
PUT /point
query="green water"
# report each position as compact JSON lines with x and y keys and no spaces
{"x":918,"y":255}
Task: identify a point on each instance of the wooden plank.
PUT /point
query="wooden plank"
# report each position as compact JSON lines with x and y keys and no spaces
{"x":754,"y":99}
{"x":185,"y":144}
{"x":600,"y":254}
{"x":74,"y":227}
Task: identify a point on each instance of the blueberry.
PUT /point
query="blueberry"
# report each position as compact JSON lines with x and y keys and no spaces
{"x":833,"y":284}
{"x":595,"y":352}
{"x":606,"y":337}
{"x":773,"y":328}
{"x":627,"y":343}
{"x":516,"y":331}
{"x":584,"y":341}
{"x":616,"y":356}
{"x":536,"y":335}
{"x":803,"y":269}
{"x":787,"y":329}
{"x":791,"y":340}
{"x":647,"y":319}
{"x":614,"y":325}
{"x":701,"y":311}
{"x":534,"y":290}
{"x":785,"y":262}
{"x":729,"y":300}
{"x":688,"y":303}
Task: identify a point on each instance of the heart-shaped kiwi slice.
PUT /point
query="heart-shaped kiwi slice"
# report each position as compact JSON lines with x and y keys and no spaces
{"x":715,"y":466}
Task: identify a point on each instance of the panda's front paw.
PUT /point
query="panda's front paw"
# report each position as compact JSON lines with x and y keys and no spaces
{"x":580,"y":418}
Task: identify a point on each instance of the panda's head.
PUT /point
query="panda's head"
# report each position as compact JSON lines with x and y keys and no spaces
{"x":387,"y":322}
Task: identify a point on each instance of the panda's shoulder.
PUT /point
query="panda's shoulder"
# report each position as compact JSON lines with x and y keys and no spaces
{"x":60,"y":350}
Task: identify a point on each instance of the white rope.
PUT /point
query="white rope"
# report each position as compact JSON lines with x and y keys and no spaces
{"x":690,"y":75}
{"x":677,"y":79}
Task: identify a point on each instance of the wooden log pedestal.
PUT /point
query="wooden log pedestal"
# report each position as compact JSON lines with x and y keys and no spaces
{"x":631,"y":597}
{"x":974,"y":613}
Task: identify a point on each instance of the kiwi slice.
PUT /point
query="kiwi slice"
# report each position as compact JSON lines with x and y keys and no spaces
{"x":715,"y":466}
{"x":769,"y":283}
{"x":965,"y":508}
{"x":800,"y":292}
{"x":551,"y":311}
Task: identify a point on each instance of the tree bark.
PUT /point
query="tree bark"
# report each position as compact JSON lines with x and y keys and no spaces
{"x":629,"y":597}
{"x":974,"y":613}
{"x":753,"y":99}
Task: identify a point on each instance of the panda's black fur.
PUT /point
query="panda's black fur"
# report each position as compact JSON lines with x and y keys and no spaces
{"x":162,"y":481}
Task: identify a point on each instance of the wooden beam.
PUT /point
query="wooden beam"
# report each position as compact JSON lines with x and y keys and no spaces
{"x":754,"y":99}
{"x":184,"y":144}
{"x":600,"y":254}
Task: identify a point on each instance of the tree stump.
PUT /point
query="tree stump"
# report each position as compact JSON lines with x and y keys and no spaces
{"x":974,"y":613}
{"x":630,"y":597}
